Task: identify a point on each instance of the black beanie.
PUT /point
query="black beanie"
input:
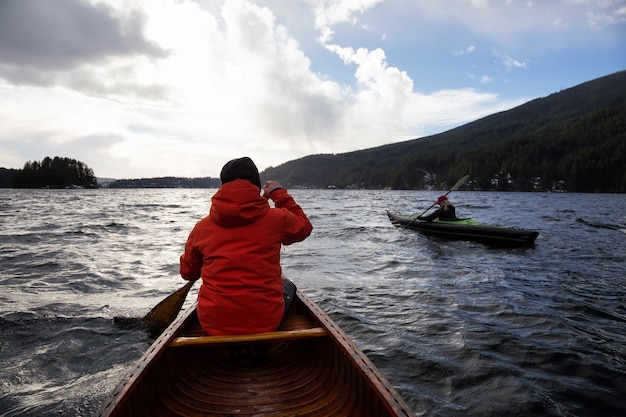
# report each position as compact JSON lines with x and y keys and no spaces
{"x":241,"y":168}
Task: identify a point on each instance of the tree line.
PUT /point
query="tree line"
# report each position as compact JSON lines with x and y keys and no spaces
{"x":54,"y":172}
{"x":166,"y":182}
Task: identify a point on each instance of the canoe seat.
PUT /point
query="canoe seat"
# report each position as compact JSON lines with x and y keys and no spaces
{"x":293,"y":327}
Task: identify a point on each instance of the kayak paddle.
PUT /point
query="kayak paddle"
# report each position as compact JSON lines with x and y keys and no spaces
{"x":456,"y":186}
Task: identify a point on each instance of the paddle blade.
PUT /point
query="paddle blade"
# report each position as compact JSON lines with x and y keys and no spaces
{"x":166,"y":311}
{"x":459,"y":183}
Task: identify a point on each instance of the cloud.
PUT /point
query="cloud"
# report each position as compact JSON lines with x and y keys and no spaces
{"x":450,"y":107}
{"x":467,"y":50}
{"x":40,"y":41}
{"x":561,"y":24}
{"x":331,"y":12}
{"x":512,"y":22}
{"x":509,"y":62}
{"x":601,"y":13}
{"x":381,"y":94}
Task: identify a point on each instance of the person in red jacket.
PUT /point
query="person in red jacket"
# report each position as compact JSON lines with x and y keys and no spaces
{"x":236,"y":252}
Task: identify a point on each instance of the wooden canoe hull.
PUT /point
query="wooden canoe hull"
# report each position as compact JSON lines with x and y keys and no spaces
{"x":491,"y":235}
{"x":307,"y":368}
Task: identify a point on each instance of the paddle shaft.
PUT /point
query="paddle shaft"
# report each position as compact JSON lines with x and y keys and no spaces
{"x":457,"y":185}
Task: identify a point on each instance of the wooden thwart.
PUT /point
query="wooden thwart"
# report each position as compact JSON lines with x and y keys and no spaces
{"x":257,"y":337}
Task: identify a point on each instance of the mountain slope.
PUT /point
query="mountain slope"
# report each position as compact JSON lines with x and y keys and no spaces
{"x":574,"y":139}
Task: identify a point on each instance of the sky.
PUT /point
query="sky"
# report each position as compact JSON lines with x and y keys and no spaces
{"x":152,"y":88}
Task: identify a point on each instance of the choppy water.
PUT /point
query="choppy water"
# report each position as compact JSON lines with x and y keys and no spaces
{"x":460,"y":328}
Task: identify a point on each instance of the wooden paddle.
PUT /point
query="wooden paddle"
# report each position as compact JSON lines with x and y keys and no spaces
{"x":456,"y":186}
{"x":166,"y":311}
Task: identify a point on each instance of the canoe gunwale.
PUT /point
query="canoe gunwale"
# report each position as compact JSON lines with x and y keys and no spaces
{"x":391,"y":397}
{"x":148,"y":359}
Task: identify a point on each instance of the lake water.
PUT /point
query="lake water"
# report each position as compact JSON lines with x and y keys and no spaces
{"x":459,"y":328}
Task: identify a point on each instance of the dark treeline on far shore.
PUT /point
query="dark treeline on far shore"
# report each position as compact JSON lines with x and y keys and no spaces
{"x":165,"y":182}
{"x":573,"y":140}
{"x":57,"y":172}
{"x":14,"y":178}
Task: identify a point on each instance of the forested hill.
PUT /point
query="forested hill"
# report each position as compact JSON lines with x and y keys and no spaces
{"x":573,"y":140}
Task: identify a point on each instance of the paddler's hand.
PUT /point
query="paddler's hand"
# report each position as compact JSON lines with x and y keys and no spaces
{"x":269,"y":187}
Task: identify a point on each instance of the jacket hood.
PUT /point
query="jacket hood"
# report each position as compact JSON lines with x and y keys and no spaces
{"x":238,"y":203}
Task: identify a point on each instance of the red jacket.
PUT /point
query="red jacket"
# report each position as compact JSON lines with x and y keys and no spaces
{"x":236,"y":251}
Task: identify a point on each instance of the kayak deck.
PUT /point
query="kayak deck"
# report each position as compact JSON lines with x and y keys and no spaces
{"x":467,"y":229}
{"x":306,"y":368}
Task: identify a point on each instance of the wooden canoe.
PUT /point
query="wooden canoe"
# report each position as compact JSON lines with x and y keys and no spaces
{"x":308,"y":367}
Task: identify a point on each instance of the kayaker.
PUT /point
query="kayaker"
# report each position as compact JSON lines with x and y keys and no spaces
{"x":236,"y":252}
{"x":446,"y":210}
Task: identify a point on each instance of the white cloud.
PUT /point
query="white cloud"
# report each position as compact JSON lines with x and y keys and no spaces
{"x":510,"y":62}
{"x":331,"y":12}
{"x":512,"y":21}
{"x":467,"y":50}
{"x":451,"y":107}
{"x":560,"y":24}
